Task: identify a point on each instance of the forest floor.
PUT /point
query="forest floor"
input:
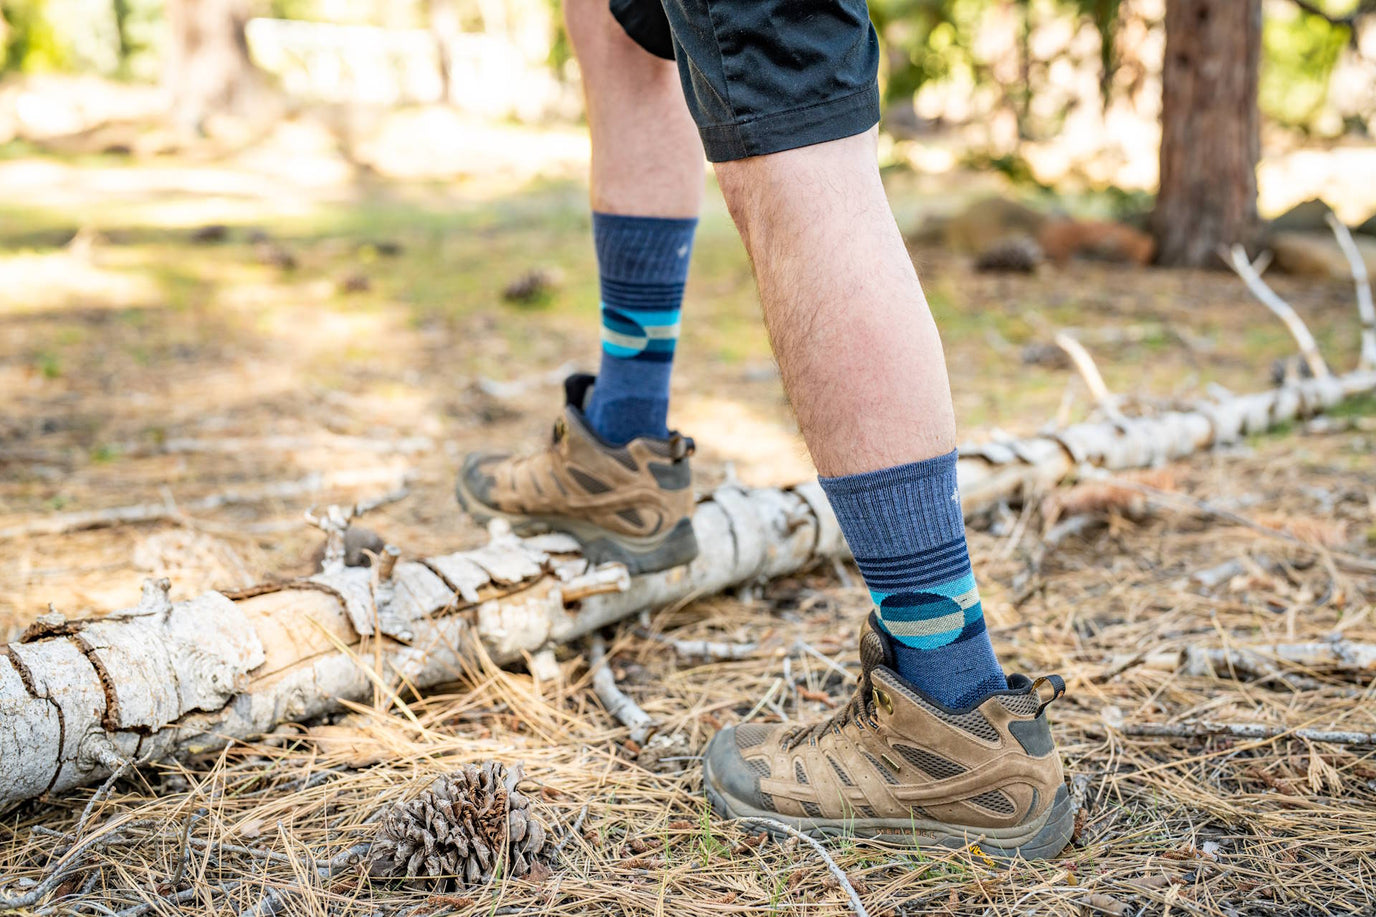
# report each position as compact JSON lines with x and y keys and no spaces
{"x":233,"y":340}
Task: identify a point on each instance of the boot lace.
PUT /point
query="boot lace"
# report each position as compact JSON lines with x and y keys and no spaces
{"x":859,"y":709}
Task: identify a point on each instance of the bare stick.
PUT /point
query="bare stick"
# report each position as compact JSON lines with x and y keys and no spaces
{"x":702,"y":649}
{"x":577,"y":826}
{"x":1245,"y":731}
{"x":181,"y":897}
{"x":1280,"y":308}
{"x":617,"y":702}
{"x":1365,"y":309}
{"x":836,"y":871}
{"x":169,"y":511}
{"x":801,"y":646}
{"x":234,"y":445}
{"x":1084,"y":364}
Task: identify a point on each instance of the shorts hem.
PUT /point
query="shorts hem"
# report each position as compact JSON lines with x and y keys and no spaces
{"x":793,"y":128}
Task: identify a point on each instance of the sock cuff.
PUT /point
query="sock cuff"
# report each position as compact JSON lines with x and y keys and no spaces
{"x":899,"y":510}
{"x":646,"y":249}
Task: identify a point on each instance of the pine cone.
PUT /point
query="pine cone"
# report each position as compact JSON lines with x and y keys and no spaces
{"x":1017,"y":254}
{"x":453,"y":834}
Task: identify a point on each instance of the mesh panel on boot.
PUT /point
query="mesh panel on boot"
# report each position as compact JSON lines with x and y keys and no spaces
{"x":930,"y":763}
{"x":1021,"y":704}
{"x":883,"y":771}
{"x":749,"y":736}
{"x":799,"y":774}
{"x":811,"y":809}
{"x":758,"y":765}
{"x":995,"y":801}
{"x":845,"y":778}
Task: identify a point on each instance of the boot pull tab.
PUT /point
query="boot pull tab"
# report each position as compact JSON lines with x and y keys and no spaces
{"x":1057,"y":685}
{"x":680,"y":446}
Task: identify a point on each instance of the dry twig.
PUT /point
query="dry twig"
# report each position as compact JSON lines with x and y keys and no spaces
{"x":1244,"y":731}
{"x":836,"y":871}
{"x":1237,"y":259}
{"x":1366,"y":311}
{"x":616,"y":701}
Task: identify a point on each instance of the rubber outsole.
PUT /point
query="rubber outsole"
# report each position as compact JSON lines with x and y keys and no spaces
{"x":675,"y":548}
{"x":1042,"y":838}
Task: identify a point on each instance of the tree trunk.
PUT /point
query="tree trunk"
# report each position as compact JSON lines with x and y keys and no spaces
{"x":1210,"y":130}
{"x":208,"y":68}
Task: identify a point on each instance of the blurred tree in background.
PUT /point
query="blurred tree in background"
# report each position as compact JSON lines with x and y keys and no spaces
{"x":1210,"y":130}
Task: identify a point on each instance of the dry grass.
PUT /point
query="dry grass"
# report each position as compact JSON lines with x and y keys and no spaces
{"x":1206,"y":826}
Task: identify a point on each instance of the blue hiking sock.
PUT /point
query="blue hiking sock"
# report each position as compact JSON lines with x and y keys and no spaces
{"x":905,"y":528}
{"x":643,"y":265}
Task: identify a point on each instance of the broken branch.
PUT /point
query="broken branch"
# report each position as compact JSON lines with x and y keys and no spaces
{"x":1237,"y":259}
{"x":1244,"y":731}
{"x":1365,"y":309}
{"x":1089,"y":372}
{"x":777,"y":827}
{"x":168,"y":510}
{"x":703,"y":649}
{"x":617,"y":702}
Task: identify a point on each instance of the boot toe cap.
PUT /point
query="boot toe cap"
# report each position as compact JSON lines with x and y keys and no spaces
{"x":476,"y":477}
{"x":731,"y":774}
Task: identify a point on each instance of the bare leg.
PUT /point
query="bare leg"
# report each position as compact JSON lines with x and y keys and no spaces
{"x":859,"y":352}
{"x":646,"y":155}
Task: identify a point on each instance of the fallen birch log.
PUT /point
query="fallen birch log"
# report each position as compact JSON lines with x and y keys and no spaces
{"x":1244,"y":731}
{"x":163,"y":678}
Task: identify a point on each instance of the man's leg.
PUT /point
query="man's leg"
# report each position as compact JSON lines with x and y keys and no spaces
{"x":614,"y":476}
{"x":646,"y":192}
{"x":936,"y":746}
{"x":863,"y":368}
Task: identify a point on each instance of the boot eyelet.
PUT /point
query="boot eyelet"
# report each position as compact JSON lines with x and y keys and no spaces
{"x":882,"y":699}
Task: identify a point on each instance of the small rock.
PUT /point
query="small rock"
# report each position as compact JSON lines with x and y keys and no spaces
{"x":209,"y":235}
{"x":1045,"y":354}
{"x":1307,"y":216}
{"x":355,"y":282}
{"x":275,"y":255}
{"x":1017,"y":254}
{"x":1314,"y":254}
{"x":986,"y":221}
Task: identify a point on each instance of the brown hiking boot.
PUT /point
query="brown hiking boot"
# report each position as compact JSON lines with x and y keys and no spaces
{"x":632,"y":504}
{"x":898,"y":766}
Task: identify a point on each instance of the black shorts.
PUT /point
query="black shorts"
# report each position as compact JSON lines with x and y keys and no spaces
{"x":763,"y":76}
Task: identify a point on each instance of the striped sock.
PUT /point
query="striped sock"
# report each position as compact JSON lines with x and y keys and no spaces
{"x":643,"y":265}
{"x":905,"y":528}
